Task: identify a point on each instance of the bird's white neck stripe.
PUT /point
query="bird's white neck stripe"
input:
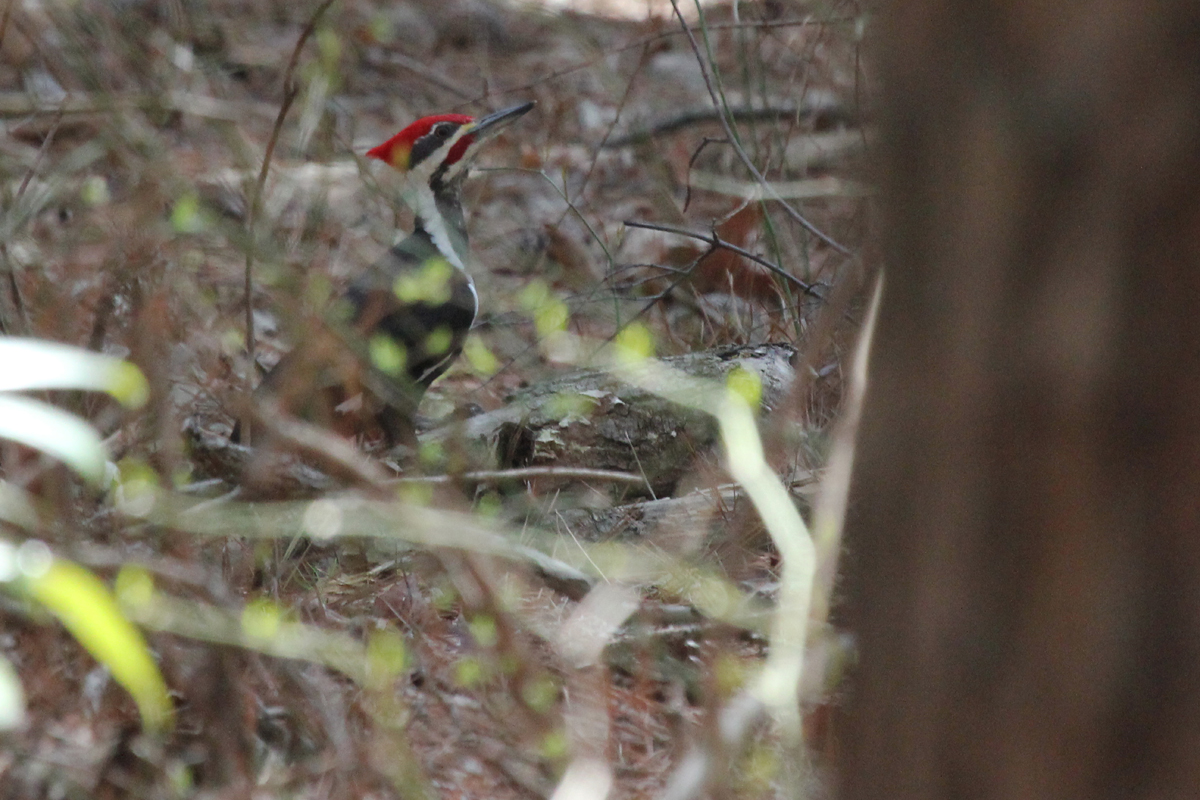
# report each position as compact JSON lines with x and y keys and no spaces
{"x":430,"y":217}
{"x":424,"y":205}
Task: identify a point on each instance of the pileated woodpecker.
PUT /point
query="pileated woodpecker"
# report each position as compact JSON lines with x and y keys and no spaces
{"x":407,"y":315}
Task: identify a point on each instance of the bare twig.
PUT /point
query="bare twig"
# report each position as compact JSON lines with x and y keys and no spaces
{"x":687,"y":197}
{"x":525,"y":473}
{"x":21,"y":104}
{"x":14,"y":289}
{"x":681,"y":276}
{"x":433,"y":76}
{"x":750,"y":191}
{"x":655,"y":37}
{"x":251,"y":217}
{"x":8,"y":7}
{"x":587,"y":178}
{"x":716,"y":242}
{"x":41,"y":153}
{"x":335,"y":456}
{"x":290,"y":90}
{"x":826,"y":107}
{"x":741,"y":153}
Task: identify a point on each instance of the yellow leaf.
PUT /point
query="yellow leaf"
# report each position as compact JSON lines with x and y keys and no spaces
{"x":481,"y":359}
{"x":386,"y":655}
{"x":745,"y":384}
{"x":388,"y":355}
{"x":261,"y":619}
{"x":438,"y":341}
{"x":187,"y":215}
{"x":430,"y":284}
{"x":89,"y":611}
{"x":634,"y":343}
{"x":551,"y":317}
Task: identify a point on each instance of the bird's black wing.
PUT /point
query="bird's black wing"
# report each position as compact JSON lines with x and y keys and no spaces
{"x":399,"y":326}
{"x":420,"y":302}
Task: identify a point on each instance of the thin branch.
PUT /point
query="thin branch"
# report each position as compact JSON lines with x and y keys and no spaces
{"x":21,"y":104}
{"x":252,"y":217}
{"x":687,"y":197}
{"x":290,"y":90}
{"x":684,"y":274}
{"x":655,"y":37}
{"x":715,"y":241}
{"x":433,"y":76}
{"x":525,"y":473}
{"x":8,"y":7}
{"x":334,"y":455}
{"x":37,"y":160}
{"x":741,"y":153}
{"x":629,"y":84}
{"x":696,"y":116}
{"x":18,"y":302}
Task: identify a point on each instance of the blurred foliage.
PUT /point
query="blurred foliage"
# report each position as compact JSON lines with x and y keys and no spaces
{"x":136,"y":137}
{"x":73,"y":594}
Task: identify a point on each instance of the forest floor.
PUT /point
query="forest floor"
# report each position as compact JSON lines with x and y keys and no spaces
{"x":135,"y":137}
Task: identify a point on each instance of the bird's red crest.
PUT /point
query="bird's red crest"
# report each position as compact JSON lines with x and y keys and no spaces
{"x":396,"y":150}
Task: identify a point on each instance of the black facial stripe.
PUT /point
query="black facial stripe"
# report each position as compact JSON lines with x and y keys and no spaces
{"x":430,"y":142}
{"x":438,"y":177}
{"x":435,"y":180}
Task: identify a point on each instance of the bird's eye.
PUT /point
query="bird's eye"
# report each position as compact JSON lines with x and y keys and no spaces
{"x":443,"y":130}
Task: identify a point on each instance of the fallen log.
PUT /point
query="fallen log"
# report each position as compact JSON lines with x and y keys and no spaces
{"x":590,"y":419}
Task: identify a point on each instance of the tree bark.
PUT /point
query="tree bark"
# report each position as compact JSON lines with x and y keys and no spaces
{"x":1024,"y":531}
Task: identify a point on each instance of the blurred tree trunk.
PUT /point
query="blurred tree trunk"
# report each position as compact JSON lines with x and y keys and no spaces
{"x":1024,"y":533}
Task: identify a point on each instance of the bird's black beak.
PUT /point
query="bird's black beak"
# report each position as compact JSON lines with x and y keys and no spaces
{"x":492,"y":124}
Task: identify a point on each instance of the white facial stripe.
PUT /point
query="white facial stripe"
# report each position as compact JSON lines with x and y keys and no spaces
{"x":420,"y":197}
{"x":458,"y":166}
{"x":429,"y":165}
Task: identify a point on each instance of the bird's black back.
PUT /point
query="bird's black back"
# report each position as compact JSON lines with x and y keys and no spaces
{"x":424,"y":304}
{"x":404,"y":321}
